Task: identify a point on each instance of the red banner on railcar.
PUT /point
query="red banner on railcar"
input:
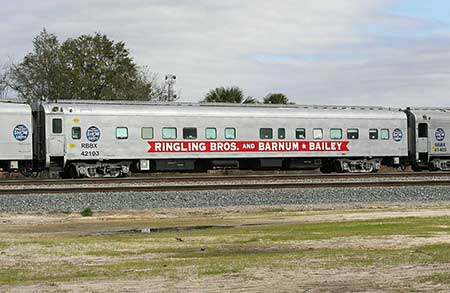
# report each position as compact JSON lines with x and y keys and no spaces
{"x":246,"y":146}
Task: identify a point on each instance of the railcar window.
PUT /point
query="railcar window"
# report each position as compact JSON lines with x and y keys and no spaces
{"x":230,"y":133}
{"x":210,"y":133}
{"x":281,"y":133}
{"x":317,"y":133}
{"x":336,"y":133}
{"x":147,"y":132}
{"x":423,"y":130}
{"x":76,"y":133}
{"x":169,"y":133}
{"x":352,"y":133}
{"x":373,"y":133}
{"x":122,"y":133}
{"x":57,"y":125}
{"x":300,"y":133}
{"x":384,"y":134}
{"x":265,"y":133}
{"x":189,"y":133}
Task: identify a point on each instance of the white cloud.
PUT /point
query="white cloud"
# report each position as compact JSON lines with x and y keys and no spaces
{"x":341,"y":51}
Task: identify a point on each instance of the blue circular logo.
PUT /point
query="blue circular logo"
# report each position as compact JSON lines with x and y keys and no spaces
{"x":397,"y":134}
{"x":440,"y":134}
{"x":21,"y":132}
{"x":93,"y":134}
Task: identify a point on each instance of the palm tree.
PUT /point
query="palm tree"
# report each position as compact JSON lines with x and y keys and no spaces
{"x":225,"y":95}
{"x":276,"y":98}
{"x":250,"y":100}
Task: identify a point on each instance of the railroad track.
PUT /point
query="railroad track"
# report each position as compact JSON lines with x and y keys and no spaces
{"x":212,"y":178}
{"x":236,"y":186}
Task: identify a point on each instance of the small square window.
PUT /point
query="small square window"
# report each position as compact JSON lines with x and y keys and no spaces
{"x":352,"y":133}
{"x":76,"y":133}
{"x":122,"y":133}
{"x":317,"y":133}
{"x":147,"y":132}
{"x":265,"y":133}
{"x":210,"y":133}
{"x":300,"y":133}
{"x":230,"y":133}
{"x":384,"y":134}
{"x":335,"y":133}
{"x":373,"y":133}
{"x":281,"y":133}
{"x":189,"y":133}
{"x":169,"y":133}
{"x":57,"y":126}
{"x":423,"y":130}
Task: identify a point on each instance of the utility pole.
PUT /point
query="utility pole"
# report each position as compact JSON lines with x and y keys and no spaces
{"x":170,"y":82}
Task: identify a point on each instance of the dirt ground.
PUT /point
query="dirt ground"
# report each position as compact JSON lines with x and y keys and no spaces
{"x":416,"y":261}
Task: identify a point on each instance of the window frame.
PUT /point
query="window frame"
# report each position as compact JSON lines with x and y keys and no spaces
{"x":300,"y":129}
{"x":234,"y":131}
{"x":72,"y":132}
{"x":334,"y":129}
{"x":421,"y":129}
{"x":188,"y":129}
{"x":142,"y":133}
{"x":60,"y":126}
{"x":314,"y":133}
{"x":122,"y":138}
{"x":283,"y":130}
{"x":353,"y":129}
{"x":169,"y":128}
{"x":211,"y":128}
{"x":388,"y":134}
{"x":261,"y":130}
{"x":377,"y":134}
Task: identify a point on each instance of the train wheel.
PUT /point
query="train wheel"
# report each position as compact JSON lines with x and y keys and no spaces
{"x":325,"y":170}
{"x":416,"y":168}
{"x":70,"y":172}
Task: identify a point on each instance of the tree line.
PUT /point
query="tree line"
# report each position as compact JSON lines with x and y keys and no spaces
{"x":93,"y":67}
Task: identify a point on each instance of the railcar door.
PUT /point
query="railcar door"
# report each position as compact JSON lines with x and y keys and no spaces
{"x":56,"y":143}
{"x":422,"y":142}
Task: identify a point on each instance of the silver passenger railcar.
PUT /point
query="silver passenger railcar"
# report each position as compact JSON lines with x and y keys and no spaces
{"x":428,"y":138}
{"x":15,"y":136}
{"x":112,"y":138}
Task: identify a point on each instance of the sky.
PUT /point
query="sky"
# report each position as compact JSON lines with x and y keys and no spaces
{"x":353,"y":52}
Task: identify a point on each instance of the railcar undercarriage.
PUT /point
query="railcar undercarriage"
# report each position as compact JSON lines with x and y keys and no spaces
{"x":97,"y":169}
{"x":124,"y":168}
{"x":440,"y":164}
{"x":351,"y":165}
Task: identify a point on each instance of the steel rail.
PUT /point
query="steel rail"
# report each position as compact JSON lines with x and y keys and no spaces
{"x":191,"y":187}
{"x":211,"y":178}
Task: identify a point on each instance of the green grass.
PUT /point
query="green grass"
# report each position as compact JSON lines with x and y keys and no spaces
{"x":223,"y":261}
{"x":438,"y":278}
{"x":216,"y":251}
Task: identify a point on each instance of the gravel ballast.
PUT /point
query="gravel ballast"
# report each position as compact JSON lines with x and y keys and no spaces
{"x":219,"y":198}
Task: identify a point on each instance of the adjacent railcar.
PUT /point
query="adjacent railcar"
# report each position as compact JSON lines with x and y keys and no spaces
{"x":110,"y":139}
{"x":428,"y":138}
{"x":16,"y":137}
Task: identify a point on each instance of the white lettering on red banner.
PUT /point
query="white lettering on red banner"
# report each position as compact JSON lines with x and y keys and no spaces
{"x":246,"y":146}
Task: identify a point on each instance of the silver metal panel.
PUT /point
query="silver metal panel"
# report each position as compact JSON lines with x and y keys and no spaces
{"x":247,"y":121}
{"x":438,"y":142}
{"x":15,"y":131}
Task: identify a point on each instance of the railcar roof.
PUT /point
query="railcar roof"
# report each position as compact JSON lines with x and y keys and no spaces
{"x":14,"y":107}
{"x":432,"y":113}
{"x":223,"y":110}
